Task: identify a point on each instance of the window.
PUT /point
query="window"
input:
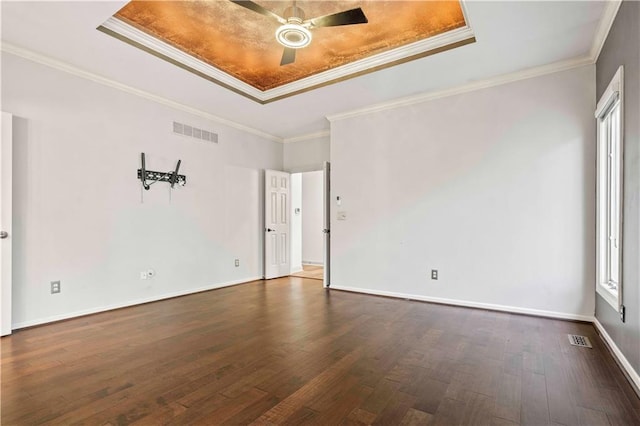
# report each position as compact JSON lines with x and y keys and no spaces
{"x":609,"y":115}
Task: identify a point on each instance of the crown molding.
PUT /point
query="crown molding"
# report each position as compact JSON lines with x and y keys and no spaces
{"x":308,"y":136}
{"x":138,"y":38}
{"x":604,"y":26}
{"x":78,"y":72}
{"x":457,"y":90}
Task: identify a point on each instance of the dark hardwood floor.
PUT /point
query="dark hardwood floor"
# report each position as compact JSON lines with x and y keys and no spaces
{"x":289,"y":352}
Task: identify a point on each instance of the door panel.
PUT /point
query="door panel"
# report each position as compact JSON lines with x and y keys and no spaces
{"x":283,"y":248}
{"x":277,"y":226}
{"x":283,"y":208}
{"x":274,"y":207}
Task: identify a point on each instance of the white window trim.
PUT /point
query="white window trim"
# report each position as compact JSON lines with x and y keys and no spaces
{"x":613,"y":93}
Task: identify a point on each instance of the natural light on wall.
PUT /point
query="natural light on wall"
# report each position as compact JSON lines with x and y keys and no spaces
{"x":609,"y":115}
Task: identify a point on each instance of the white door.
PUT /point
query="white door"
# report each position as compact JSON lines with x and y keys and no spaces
{"x":6,"y":146}
{"x":327,"y":223}
{"x":276,"y":224}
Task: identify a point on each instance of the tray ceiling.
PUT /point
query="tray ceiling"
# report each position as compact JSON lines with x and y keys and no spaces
{"x":236,"y":47}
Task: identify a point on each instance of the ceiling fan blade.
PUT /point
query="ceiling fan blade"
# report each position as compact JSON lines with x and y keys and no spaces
{"x":348,"y":17}
{"x":259,"y":9}
{"x":288,"y":56}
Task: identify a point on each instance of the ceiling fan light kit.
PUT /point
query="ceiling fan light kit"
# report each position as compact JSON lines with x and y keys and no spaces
{"x":294,"y":36}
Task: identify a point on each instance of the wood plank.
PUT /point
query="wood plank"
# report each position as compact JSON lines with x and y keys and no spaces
{"x":450,"y":412}
{"x":341,"y":405}
{"x":285,"y":409}
{"x":396,"y":408}
{"x":416,"y":418}
{"x":509,"y":398}
{"x":535,"y":407}
{"x":360,"y":416}
{"x":380,"y":396}
{"x":588,"y":417}
{"x":479,"y":409}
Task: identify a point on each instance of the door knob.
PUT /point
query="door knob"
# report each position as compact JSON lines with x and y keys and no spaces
{"x":4,"y":234}
{"x":270,"y":230}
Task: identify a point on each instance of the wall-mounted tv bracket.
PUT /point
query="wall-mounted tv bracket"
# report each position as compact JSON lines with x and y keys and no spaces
{"x":149,"y":175}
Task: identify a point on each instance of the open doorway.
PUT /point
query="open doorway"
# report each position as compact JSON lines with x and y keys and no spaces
{"x":307,"y":225}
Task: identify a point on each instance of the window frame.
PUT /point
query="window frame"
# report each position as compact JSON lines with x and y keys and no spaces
{"x":609,"y":218}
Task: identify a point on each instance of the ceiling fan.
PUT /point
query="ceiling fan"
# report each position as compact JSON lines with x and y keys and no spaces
{"x":294,"y":31}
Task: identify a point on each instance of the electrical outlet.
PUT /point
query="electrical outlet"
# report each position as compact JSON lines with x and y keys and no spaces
{"x":237,"y":262}
{"x":144,"y":275}
{"x":434,"y":274}
{"x":55,"y":287}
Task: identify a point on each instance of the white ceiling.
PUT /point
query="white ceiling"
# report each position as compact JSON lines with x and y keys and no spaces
{"x":511,"y":36}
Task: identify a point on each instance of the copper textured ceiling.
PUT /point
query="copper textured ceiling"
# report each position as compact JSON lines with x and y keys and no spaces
{"x":241,"y":43}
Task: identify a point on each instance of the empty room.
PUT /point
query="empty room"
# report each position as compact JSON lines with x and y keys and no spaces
{"x":320,"y":212}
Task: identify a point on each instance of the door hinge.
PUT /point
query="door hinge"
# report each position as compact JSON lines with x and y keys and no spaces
{"x":622,"y":313}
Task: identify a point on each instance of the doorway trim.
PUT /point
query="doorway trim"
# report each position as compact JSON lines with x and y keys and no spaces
{"x":326,"y":188}
{"x":6,"y":182}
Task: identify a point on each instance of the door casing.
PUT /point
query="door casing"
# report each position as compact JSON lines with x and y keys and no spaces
{"x":6,"y":182}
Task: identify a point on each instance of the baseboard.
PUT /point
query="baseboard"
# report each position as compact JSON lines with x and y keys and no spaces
{"x":621,"y":360}
{"x":312,"y":262}
{"x":468,"y":304}
{"x":296,"y":270}
{"x":96,"y":310}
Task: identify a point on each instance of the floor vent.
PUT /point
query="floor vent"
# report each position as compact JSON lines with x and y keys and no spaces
{"x":582,"y":341}
{"x":194,"y":132}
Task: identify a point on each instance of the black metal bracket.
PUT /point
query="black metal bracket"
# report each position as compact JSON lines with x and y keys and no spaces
{"x":172,"y":177}
{"x":162,"y":177}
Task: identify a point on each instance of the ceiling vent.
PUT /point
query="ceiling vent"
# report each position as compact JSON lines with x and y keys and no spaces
{"x":194,"y":132}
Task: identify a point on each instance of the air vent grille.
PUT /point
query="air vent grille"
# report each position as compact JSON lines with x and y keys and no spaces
{"x":194,"y":132}
{"x":582,"y":341}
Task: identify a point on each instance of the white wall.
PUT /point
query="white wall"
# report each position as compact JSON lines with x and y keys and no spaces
{"x":78,"y":215}
{"x":296,"y":222}
{"x":306,"y":156}
{"x":312,"y":217}
{"x":494,"y":188}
